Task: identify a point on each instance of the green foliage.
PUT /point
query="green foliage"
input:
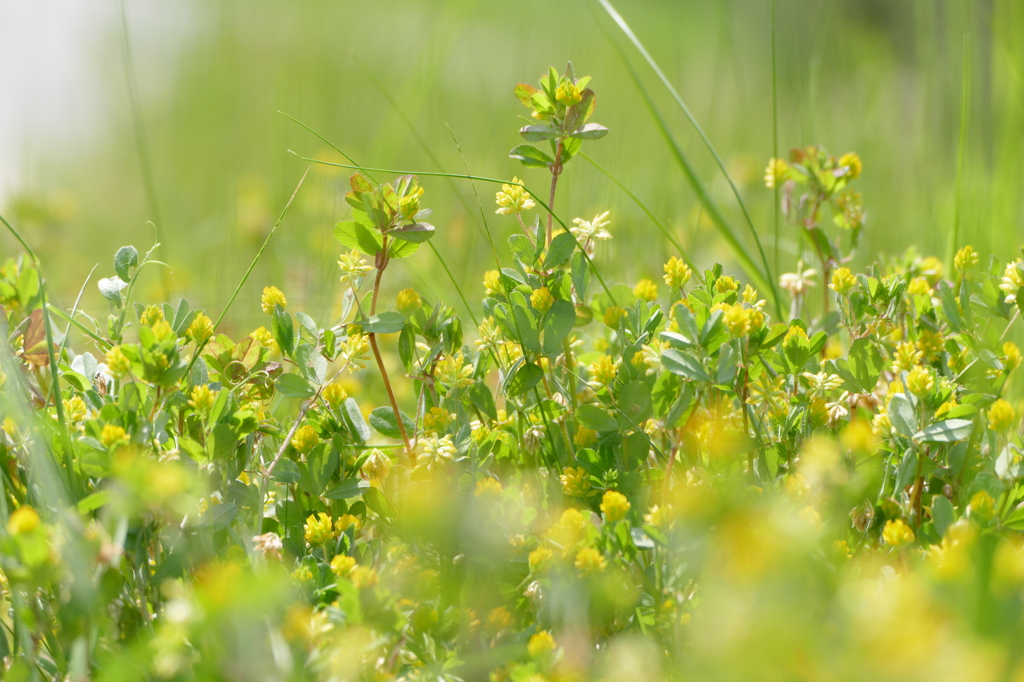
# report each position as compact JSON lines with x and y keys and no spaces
{"x":593,"y":477}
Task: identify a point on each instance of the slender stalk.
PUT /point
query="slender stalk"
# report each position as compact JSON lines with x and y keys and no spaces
{"x":382,"y":262}
{"x":556,"y":170}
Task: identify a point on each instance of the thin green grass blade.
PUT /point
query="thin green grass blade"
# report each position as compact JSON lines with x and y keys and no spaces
{"x":775,"y":138}
{"x":245,"y":277}
{"x":74,"y":311}
{"x":624,"y":27}
{"x":72,"y":480}
{"x":643,"y":207}
{"x":953,"y":241}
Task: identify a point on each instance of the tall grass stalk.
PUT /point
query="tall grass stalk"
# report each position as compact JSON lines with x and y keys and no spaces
{"x":958,"y":197}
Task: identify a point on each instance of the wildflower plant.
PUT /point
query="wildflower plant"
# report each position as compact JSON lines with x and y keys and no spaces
{"x":670,"y":472}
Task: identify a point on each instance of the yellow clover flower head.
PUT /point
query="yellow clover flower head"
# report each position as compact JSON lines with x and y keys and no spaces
{"x":568,"y":93}
{"x":201,"y":398}
{"x":589,"y":560}
{"x":677,"y":272}
{"x":201,"y":329}
{"x":1011,"y":356}
{"x":113,"y":435}
{"x":334,"y":394}
{"x":1013,"y":280}
{"x":353,"y":268}
{"x":646,"y":290}
{"x":492,"y":282}
{"x":920,"y":381}
{"x":151,"y":315}
{"x":1001,"y":416}
{"x":843,"y":281}
{"x":542,"y":300}
{"x":539,"y":559}
{"x":318,"y":529}
{"x":982,"y":506}
{"x":454,"y":372}
{"x":117,"y":362}
{"x":305,"y":439}
{"x":575,"y":481}
{"x":726,"y":283}
{"x":897,"y":533}
{"x":965,"y":259}
{"x":272,"y":296}
{"x":377,"y":466}
{"x":513,"y":199}
{"x":775,"y":173}
{"x":613,"y":315}
{"x":342,"y":565}
{"x":408,"y":302}
{"x":541,"y":644}
{"x":614,"y":506}
{"x":23,"y":520}
{"x":853,"y":164}
{"x":488,"y":488}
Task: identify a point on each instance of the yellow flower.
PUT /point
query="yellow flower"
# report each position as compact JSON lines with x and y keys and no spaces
{"x":436,"y":420}
{"x":377,"y":466}
{"x":982,"y":506}
{"x":364,"y":577}
{"x":907,"y":356}
{"x":568,"y":93}
{"x":542,"y":300}
{"x":342,"y":565}
{"x":853,"y":163}
{"x":272,"y":296}
{"x":488,"y":488}
{"x":613,"y":315}
{"x":660,"y":516}
{"x":334,"y":394}
{"x":75,"y":409}
{"x":843,"y":281}
{"x":539,"y":558}
{"x":492,"y":282}
{"x":454,"y":372}
{"x":737,"y":319}
{"x":346,"y":521}
{"x":646,"y":290}
{"x":775,"y":173}
{"x":408,"y":302}
{"x":919,"y":286}
{"x":151,"y":315}
{"x":589,"y":560}
{"x":541,"y":644}
{"x":614,"y":506}
{"x":726,"y":283}
{"x":318,"y":529}
{"x":1013,"y":280}
{"x":677,"y":272}
{"x":1011,"y":356}
{"x":23,"y":520}
{"x":353,"y":268}
{"x":920,"y":381}
{"x":305,"y":439}
{"x":603,"y":371}
{"x":113,"y":435}
{"x":117,"y":362}
{"x":201,"y":398}
{"x":433,"y":452}
{"x":965,"y":259}
{"x":584,"y":437}
{"x":575,"y":482}
{"x":513,"y":199}
{"x":930,"y":344}
{"x":897,"y":533}
{"x":499,"y":619}
{"x":200,"y":330}
{"x":1001,"y":416}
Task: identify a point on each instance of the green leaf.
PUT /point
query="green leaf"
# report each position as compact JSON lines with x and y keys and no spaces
{"x":284,"y":330}
{"x":538,"y":133}
{"x":376,"y":501}
{"x":591,"y":131}
{"x":595,"y":419}
{"x":125,"y":260}
{"x":530,"y":156}
{"x":683,"y":364}
{"x":383,"y":419}
{"x":321,"y":464}
{"x":483,"y":400}
{"x":287,"y":471}
{"x":947,"y":431}
{"x":942,"y":514}
{"x":561,"y":248}
{"x":357,"y":424}
{"x":384,"y":323}
{"x":526,"y":377}
{"x":526,"y":329}
{"x":558,"y":322}
{"x":93,"y":502}
{"x":901,"y":414}
{"x":415,"y":232}
{"x":865,"y":364}
{"x":580,"y":274}
{"x":294,"y":386}
{"x":359,"y":237}
{"x":352,"y":487}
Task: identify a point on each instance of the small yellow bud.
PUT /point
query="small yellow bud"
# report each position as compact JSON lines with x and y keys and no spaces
{"x":23,"y":520}
{"x":513,"y":199}
{"x":117,"y":362}
{"x":539,"y":559}
{"x":113,"y":435}
{"x":151,"y":315}
{"x":646,"y":290}
{"x":201,"y":329}
{"x":982,"y":506}
{"x":965,"y":259}
{"x":677,"y":272}
{"x":775,"y":173}
{"x":305,"y":439}
{"x":408,"y":302}
{"x":843,"y":281}
{"x":568,"y":94}
{"x":589,"y":560}
{"x":541,"y":644}
{"x":575,"y":482}
{"x":488,"y":488}
{"x":202,"y":398}
{"x":920,"y":381}
{"x":334,"y":394}
{"x":897,"y":533}
{"x":853,"y":163}
{"x":342,"y":565}
{"x":492,"y":282}
{"x":613,"y":315}
{"x":726,"y":283}
{"x":318,"y":529}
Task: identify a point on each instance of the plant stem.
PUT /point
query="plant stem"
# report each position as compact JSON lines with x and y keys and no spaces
{"x":382,"y":262}
{"x":556,"y":170}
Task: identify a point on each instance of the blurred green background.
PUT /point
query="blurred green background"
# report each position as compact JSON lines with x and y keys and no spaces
{"x":382,"y":82}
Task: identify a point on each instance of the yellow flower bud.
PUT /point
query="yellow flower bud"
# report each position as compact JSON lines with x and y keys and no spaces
{"x":113,"y":435}
{"x":677,"y":272}
{"x":542,"y":300}
{"x":408,"y":302}
{"x":589,"y":560}
{"x":117,"y":362}
{"x":272,"y":296}
{"x":775,"y":173}
{"x":23,"y":520}
{"x":920,"y":381}
{"x":897,"y":533}
{"x":843,"y":281}
{"x":614,"y":506}
{"x":305,"y":439}
{"x":646,"y":290}
{"x":1001,"y":416}
{"x":613,"y":315}
{"x":853,"y":163}
{"x":201,"y":329}
{"x":202,"y":398}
